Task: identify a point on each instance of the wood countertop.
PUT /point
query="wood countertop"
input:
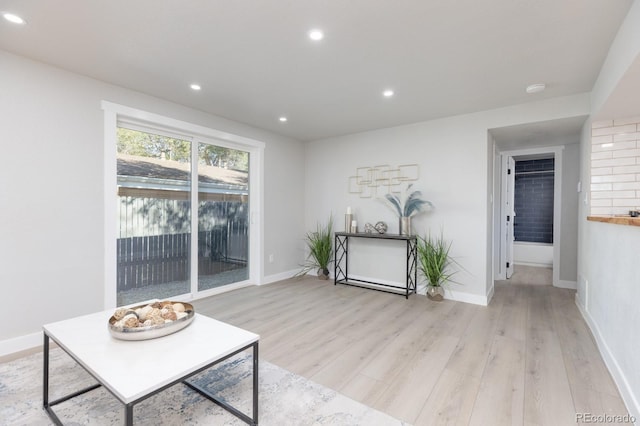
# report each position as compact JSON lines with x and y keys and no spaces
{"x":618,"y":220}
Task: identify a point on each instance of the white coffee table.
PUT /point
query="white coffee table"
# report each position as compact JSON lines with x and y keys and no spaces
{"x":118,"y":366}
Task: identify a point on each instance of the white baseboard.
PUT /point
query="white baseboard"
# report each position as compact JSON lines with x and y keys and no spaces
{"x":270,"y":279}
{"x":491,"y":293}
{"x":22,"y":343}
{"x":537,"y":265}
{"x":460,"y":296}
{"x":573,"y":285}
{"x":629,"y":398}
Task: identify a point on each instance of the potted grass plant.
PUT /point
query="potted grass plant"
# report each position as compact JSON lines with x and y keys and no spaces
{"x":320,"y":244}
{"x":435,"y":263}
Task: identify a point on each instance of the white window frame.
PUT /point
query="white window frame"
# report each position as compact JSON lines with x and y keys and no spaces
{"x":115,"y":115}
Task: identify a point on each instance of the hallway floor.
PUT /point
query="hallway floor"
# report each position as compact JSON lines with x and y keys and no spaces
{"x":529,"y":275}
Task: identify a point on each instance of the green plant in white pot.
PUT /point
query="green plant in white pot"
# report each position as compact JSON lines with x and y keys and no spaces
{"x":435,"y":263}
{"x":412,"y":205}
{"x":320,"y":244}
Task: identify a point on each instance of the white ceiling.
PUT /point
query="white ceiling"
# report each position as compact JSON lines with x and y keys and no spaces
{"x":544,"y":133}
{"x":255,"y":62}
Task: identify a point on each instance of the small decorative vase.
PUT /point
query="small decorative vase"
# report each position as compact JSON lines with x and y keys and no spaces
{"x":435,"y":293}
{"x":348,"y":218}
{"x":323,"y":274}
{"x":405,"y":225}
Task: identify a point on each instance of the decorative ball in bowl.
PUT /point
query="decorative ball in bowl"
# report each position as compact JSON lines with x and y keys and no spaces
{"x":150,"y":320}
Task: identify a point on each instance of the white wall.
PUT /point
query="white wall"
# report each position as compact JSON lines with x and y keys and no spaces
{"x":608,"y":294}
{"x":608,"y":273}
{"x":584,"y":250}
{"x":568,"y":261}
{"x":624,"y":50}
{"x":455,"y":158}
{"x":612,"y":293}
{"x":498,"y":268}
{"x":490,"y":217}
{"x":51,"y":196}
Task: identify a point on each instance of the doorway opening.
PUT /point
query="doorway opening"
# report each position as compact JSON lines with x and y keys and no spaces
{"x":534,"y":180}
{"x":529,"y":200}
{"x":553,"y":139}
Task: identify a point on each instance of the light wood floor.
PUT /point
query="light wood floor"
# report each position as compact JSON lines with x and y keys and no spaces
{"x":531,"y":275}
{"x":526,"y":359}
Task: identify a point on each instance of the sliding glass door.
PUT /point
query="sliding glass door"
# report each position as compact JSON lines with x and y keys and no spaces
{"x":223,"y":216}
{"x":156,"y":245}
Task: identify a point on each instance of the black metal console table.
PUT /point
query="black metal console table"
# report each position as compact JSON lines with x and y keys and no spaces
{"x":341,"y":263}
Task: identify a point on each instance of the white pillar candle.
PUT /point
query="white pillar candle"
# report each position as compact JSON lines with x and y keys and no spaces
{"x":348,"y":210}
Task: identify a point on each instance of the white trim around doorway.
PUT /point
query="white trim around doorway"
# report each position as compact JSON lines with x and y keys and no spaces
{"x":115,"y":114}
{"x":556,"y":151}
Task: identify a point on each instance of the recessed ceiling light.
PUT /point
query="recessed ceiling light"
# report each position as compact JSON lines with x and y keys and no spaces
{"x":283,"y":119}
{"x":316,"y":35}
{"x":195,"y":86}
{"x":13,"y":18}
{"x":387,"y":93}
{"x":606,"y":145}
{"x":536,"y":88}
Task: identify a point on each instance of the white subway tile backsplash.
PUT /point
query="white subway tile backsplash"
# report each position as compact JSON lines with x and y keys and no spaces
{"x":612,"y":146}
{"x":603,"y":123}
{"x":624,"y":202}
{"x":602,"y":155}
{"x":602,"y":186}
{"x":625,"y":169}
{"x":631,"y":177}
{"x":626,"y":153}
{"x":601,"y":171}
{"x":625,"y":186}
{"x":602,"y":211}
{"x":614,"y":130}
{"x":626,"y":137}
{"x":615,"y":166}
{"x":612,"y":194}
{"x":614,"y":162}
{"x":596,"y":140}
{"x":620,"y":211}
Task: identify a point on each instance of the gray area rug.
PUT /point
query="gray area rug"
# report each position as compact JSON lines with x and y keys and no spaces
{"x":285,"y":398}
